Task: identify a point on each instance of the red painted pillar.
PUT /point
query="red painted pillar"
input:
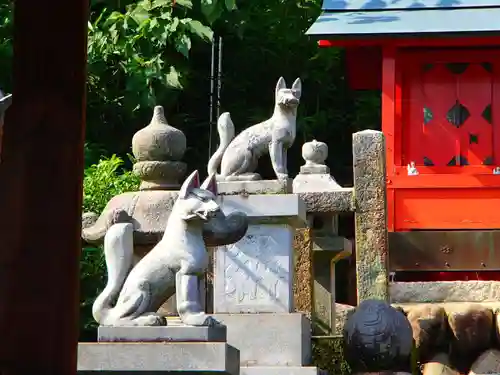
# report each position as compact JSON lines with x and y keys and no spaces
{"x":41,"y":189}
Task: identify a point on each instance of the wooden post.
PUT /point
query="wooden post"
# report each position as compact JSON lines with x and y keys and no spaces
{"x":41,"y":189}
{"x":370,"y":215}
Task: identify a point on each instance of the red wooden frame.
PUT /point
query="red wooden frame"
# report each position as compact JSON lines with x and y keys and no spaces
{"x":440,"y":197}
{"x":428,"y":42}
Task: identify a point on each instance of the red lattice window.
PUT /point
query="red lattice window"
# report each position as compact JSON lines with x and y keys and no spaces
{"x":447,"y":111}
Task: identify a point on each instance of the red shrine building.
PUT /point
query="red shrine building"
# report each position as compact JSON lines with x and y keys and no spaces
{"x":437,"y":65}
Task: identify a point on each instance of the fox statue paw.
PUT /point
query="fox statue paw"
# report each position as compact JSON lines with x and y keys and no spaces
{"x":201,"y":320}
{"x":151,"y":320}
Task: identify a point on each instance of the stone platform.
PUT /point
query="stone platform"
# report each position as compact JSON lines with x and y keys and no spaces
{"x":271,"y":343}
{"x":159,"y":350}
{"x":162,"y":334}
{"x":282,"y":370}
{"x":278,"y":339}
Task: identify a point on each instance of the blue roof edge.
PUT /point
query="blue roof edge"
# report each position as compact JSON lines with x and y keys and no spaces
{"x":392,"y":23}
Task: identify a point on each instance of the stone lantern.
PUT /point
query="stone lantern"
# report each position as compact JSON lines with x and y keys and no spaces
{"x":325,"y":247}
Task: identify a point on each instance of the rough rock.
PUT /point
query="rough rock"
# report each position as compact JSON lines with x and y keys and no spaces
{"x":487,"y":363}
{"x":472,"y":330}
{"x":439,"y":365}
{"x":445,"y":291}
{"x":430,"y":330}
{"x":370,"y":215}
{"x":303,"y":283}
{"x":340,"y":200}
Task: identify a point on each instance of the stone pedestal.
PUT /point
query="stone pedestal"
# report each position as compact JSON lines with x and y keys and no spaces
{"x":159,"y":350}
{"x":255,"y":275}
{"x":253,"y":281}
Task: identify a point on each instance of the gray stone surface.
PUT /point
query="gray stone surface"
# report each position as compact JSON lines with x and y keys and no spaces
{"x":445,"y":291}
{"x":277,"y":208}
{"x":161,"y":334}
{"x":314,"y":182}
{"x":185,"y":357}
{"x":281,"y":370}
{"x":149,"y":210}
{"x":340,"y":200}
{"x":370,"y":215}
{"x":255,"y":187}
{"x":269,"y":339}
{"x":255,"y":275}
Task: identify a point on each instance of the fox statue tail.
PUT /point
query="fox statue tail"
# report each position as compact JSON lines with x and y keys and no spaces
{"x":118,"y":252}
{"x":225,"y":128}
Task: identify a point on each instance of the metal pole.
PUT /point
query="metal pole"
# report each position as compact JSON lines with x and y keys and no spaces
{"x":219,"y":77}
{"x":212,"y":97}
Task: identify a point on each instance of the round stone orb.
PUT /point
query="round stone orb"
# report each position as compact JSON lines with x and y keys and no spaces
{"x":315,"y":152}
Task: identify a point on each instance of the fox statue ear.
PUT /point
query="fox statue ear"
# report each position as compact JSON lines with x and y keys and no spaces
{"x":210,"y":184}
{"x":280,"y":85}
{"x":192,"y":182}
{"x":297,"y":88}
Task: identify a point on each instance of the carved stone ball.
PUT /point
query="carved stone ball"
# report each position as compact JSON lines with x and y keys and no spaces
{"x":315,"y":152}
{"x":378,"y":337}
{"x":159,"y":141}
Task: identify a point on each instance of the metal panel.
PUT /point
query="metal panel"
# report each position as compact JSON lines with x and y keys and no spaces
{"x":444,"y":250}
{"x":433,"y":21}
{"x":404,"y":4}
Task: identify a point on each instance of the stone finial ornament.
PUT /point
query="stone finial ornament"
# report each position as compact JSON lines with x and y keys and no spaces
{"x":314,"y":175}
{"x":238,"y":156}
{"x":158,"y":149}
{"x":314,"y":153}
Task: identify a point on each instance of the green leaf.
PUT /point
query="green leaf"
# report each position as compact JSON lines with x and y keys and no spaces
{"x":160,"y":3}
{"x":231,"y":4}
{"x":185,"y":3}
{"x":172,"y":78}
{"x":173,"y":26}
{"x":197,"y":28}
{"x":211,"y":10}
{"x":113,"y":18}
{"x":139,"y":15}
{"x":183,"y":45}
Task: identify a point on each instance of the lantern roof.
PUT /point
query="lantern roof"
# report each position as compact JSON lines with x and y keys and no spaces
{"x":410,"y":18}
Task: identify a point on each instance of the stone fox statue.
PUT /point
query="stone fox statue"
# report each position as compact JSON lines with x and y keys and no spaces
{"x":133,"y":294}
{"x":238,"y":157}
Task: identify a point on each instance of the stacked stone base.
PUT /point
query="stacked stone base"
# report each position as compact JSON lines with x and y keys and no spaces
{"x":271,"y":343}
{"x":159,"y":350}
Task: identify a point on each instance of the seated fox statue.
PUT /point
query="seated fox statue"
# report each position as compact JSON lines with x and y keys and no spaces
{"x":134,"y":294}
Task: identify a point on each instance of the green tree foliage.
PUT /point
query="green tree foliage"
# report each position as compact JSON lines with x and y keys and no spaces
{"x":138,"y":56}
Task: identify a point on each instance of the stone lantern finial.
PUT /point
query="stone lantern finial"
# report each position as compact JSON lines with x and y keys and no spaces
{"x":158,"y":149}
{"x":314,"y":153}
{"x":314,"y":174}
